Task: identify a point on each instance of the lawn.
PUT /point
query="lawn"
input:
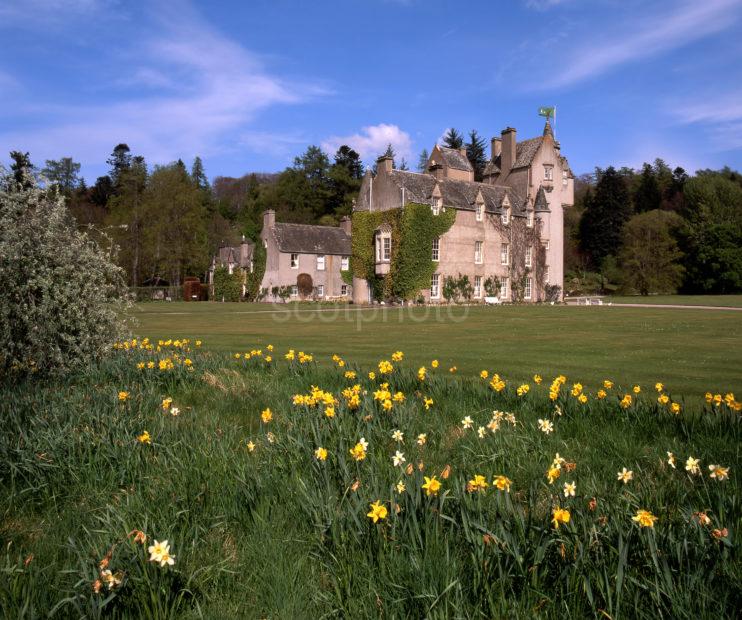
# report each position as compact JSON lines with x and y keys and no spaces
{"x":730,"y":301}
{"x":692,"y":351}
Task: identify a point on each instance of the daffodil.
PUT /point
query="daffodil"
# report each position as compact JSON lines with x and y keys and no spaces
{"x":401,"y":487}
{"x":320,"y":454}
{"x":691,"y":466}
{"x":718,"y":472}
{"x":671,"y":459}
{"x":431,"y":486}
{"x":144,"y":438}
{"x":398,"y":436}
{"x":467,"y":422}
{"x":378,"y":511}
{"x":481,"y":431}
{"x":398,"y":458}
{"x":123,"y":396}
{"x":266,"y":415}
{"x":157,"y":550}
{"x":502,"y":483}
{"x":251,"y":446}
{"x":546,"y":426}
{"x":421,"y":439}
{"x":560,"y":515}
{"x":644,"y":518}
{"x":569,"y":489}
{"x":625,"y":475}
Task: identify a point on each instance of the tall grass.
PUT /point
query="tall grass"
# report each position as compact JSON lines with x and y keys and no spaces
{"x":277,"y":533}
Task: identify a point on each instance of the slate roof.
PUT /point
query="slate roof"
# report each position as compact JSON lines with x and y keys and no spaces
{"x":526,"y":150}
{"x":454,"y":193}
{"x":454,"y":159}
{"x":540,"y":204}
{"x":232,"y":254}
{"x":308,"y":239}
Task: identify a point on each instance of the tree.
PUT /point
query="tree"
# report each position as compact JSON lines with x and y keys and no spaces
{"x":62,"y":298}
{"x":22,"y":169}
{"x":120,"y":160}
{"x":127,"y":218}
{"x":101,"y":191}
{"x":650,"y":257}
{"x":453,"y":139}
{"x":601,"y":227}
{"x":350,"y":160}
{"x":403,"y":164}
{"x":647,"y":195}
{"x":64,"y":173}
{"x":712,"y":234}
{"x":175,"y":238}
{"x":198,"y":175}
{"x":422,"y":161}
{"x":476,"y":154}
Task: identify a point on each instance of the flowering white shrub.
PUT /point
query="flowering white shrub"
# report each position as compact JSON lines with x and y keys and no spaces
{"x":61,"y":296}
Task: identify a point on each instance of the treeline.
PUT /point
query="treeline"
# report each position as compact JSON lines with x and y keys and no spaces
{"x":655,"y":230}
{"x":168,"y":221}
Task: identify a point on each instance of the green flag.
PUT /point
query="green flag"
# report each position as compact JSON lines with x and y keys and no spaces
{"x":547,"y":111}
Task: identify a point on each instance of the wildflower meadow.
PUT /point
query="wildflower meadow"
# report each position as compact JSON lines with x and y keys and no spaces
{"x":169,"y":481}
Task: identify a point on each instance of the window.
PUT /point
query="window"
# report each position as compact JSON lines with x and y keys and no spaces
{"x":320,"y":262}
{"x":529,"y":218}
{"x":478,"y":252}
{"x":546,"y":245}
{"x":477,"y":286}
{"x":344,"y":290}
{"x":548,"y":172}
{"x":529,"y":257}
{"x":436,"y":206}
{"x":527,"y":292}
{"x":504,"y":287}
{"x":480,"y":212}
{"x":387,"y":248}
{"x":435,"y":290}
{"x":436,"y":249}
{"x":505,"y":215}
{"x":564,"y":178}
{"x":505,"y":254}
{"x":294,"y":261}
{"x":294,"y":291}
{"x":345,"y":263}
{"x":546,"y":274}
{"x":320,"y":290}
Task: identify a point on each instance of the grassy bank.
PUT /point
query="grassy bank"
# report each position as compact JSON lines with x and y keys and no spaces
{"x":261,"y":527}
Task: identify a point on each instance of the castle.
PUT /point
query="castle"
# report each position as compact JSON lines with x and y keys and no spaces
{"x":507,"y":229}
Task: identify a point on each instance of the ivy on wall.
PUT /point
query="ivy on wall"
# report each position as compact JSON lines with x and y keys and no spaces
{"x":413,"y":229}
{"x":253,"y":280}
{"x":227,"y":286}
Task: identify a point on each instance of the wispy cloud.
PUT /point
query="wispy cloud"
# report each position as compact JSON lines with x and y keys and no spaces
{"x":542,"y":5}
{"x":193,"y":91}
{"x":654,"y":34}
{"x":720,"y":115}
{"x":372,"y":141}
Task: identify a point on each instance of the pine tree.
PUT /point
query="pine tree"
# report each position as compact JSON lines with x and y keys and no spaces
{"x":476,"y":154}
{"x":453,"y":139}
{"x":422,"y":161}
{"x":403,"y":165}
{"x":647,"y":196}
{"x":22,"y":169}
{"x":120,"y":160}
{"x":198,"y":176}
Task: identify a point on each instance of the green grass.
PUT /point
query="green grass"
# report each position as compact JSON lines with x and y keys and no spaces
{"x":692,"y":351}
{"x":730,"y":301}
{"x":275,"y":533}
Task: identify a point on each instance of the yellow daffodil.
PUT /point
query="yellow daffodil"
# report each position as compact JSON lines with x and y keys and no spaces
{"x":560,"y":515}
{"x":320,"y":454}
{"x":644,"y":518}
{"x":607,"y":384}
{"x":251,"y":446}
{"x":636,"y":389}
{"x":378,"y":511}
{"x":266,"y":415}
{"x":537,"y":379}
{"x":431,"y":486}
{"x":659,"y":387}
{"x":434,"y":363}
{"x":145,"y":438}
{"x":123,"y":396}
{"x":478,"y":483}
{"x":401,"y":487}
{"x":553,"y":474}
{"x":484,"y":374}
{"x":502,"y":483}
{"x":675,"y":408}
{"x":691,"y":466}
{"x":421,"y":439}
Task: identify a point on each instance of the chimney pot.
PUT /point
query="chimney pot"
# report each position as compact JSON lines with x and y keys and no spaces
{"x":269,"y":219}
{"x":496,"y":145}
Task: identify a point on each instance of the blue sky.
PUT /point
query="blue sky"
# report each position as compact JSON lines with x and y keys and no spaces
{"x":248,"y":85}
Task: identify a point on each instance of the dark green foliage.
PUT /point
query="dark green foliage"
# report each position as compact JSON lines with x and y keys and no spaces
{"x":22,"y":170}
{"x":650,"y":257}
{"x":198,"y":175}
{"x":453,"y":139}
{"x":422,"y":160}
{"x":476,"y":153}
{"x":647,"y":196}
{"x":608,"y":209}
{"x":101,"y":191}
{"x":228,"y":286}
{"x":120,"y":160}
{"x":254,"y":278}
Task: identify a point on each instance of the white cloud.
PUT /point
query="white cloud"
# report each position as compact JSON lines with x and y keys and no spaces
{"x":201,"y":91}
{"x":372,"y":141}
{"x":665,"y":30}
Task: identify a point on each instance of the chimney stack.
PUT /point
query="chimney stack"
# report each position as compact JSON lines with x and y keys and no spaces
{"x":269,"y":219}
{"x":346,"y":225}
{"x":435,"y":169}
{"x":496,"y":145}
{"x":384,"y":164}
{"x":462,"y":150}
{"x":508,"y":151}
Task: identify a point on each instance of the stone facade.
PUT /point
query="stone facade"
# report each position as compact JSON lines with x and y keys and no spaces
{"x":510,"y":226}
{"x":320,"y":252}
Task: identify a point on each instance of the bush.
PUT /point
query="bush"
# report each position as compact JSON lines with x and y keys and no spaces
{"x":62,"y":297}
{"x":228,"y":286}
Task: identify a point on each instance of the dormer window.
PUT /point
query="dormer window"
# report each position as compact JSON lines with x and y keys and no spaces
{"x":436,"y":205}
{"x":529,"y":218}
{"x":480,"y":212}
{"x":505,"y":214}
{"x":548,"y":172}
